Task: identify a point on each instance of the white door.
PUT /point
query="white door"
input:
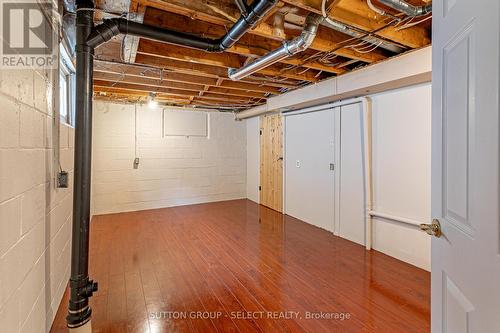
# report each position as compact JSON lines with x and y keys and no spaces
{"x":465,"y":166}
{"x":352,"y":204}
{"x":309,"y":180}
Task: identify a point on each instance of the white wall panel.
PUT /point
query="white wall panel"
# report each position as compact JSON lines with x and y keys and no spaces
{"x":309,"y":182}
{"x":401,"y":171}
{"x":185,"y":123}
{"x":352,"y":181}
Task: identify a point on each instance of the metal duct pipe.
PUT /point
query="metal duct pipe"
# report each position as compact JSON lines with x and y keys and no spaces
{"x":242,"y":6}
{"x":288,"y":49}
{"x":115,"y":26}
{"x":341,"y":27}
{"x":257,"y":10}
{"x":407,"y":8}
{"x":81,"y":287}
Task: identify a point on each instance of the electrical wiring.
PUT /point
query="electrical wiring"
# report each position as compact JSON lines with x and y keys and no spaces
{"x":411,"y":24}
{"x":367,"y":51}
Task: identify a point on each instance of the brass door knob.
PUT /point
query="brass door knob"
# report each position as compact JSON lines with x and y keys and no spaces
{"x":433,"y":229}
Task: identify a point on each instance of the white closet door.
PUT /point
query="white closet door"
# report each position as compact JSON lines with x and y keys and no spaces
{"x":352,"y":189}
{"x":309,"y":180}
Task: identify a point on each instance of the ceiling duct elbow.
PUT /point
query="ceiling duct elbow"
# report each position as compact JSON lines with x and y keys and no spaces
{"x":288,"y":49}
{"x":407,"y":8}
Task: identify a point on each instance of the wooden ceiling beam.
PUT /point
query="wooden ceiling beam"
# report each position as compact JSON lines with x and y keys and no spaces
{"x":358,"y":14}
{"x":165,"y":91}
{"x":145,"y":81}
{"x":225,"y":14}
{"x":128,"y":96}
{"x":155,"y":83}
{"x":217,"y":60}
{"x":139,"y":96}
{"x":168,"y":75}
{"x":249,"y":45}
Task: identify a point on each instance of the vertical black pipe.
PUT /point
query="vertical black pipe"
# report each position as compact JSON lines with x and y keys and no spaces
{"x":82,"y":288}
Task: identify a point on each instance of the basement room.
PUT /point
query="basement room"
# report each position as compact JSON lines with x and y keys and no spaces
{"x":295,"y":166}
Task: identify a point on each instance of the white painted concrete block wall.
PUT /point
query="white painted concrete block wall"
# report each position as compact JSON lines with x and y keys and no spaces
{"x":173,"y":171}
{"x":35,"y":217}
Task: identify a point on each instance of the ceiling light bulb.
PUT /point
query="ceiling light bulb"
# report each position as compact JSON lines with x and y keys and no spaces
{"x":152,"y":104}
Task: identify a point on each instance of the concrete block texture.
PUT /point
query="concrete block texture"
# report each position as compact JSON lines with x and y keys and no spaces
{"x":173,"y":170}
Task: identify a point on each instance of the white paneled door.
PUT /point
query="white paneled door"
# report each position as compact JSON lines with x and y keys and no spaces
{"x":465,"y":166}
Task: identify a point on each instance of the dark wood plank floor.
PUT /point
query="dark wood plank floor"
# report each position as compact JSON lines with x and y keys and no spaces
{"x":246,"y":268}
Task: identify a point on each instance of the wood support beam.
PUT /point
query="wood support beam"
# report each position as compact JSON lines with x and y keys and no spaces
{"x":358,"y":14}
{"x":221,"y":61}
{"x":249,"y":45}
{"x":156,"y":83}
{"x":168,"y":91}
{"x":225,"y":14}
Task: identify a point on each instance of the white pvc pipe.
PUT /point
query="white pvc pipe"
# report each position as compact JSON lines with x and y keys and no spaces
{"x":395,"y":218}
{"x":368,"y":170}
{"x":253,"y":112}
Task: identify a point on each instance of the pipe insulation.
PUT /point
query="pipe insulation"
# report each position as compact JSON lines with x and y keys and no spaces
{"x":288,"y":49}
{"x":115,"y":26}
{"x":408,"y":9}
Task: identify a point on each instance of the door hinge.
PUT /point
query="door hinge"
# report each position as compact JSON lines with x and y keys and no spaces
{"x":332,"y":166}
{"x":260,"y":188}
{"x":260,"y":132}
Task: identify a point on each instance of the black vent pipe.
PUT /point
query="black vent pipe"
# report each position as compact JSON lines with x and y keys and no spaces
{"x":115,"y":26}
{"x":81,"y":287}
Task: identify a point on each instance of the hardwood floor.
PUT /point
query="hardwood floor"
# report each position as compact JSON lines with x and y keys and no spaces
{"x":249,"y":269}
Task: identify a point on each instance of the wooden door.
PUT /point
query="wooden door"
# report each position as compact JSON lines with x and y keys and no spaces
{"x":271,"y":162}
{"x":465,"y":166}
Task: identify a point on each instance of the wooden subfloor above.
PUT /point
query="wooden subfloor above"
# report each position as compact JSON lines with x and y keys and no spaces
{"x":247,"y":267}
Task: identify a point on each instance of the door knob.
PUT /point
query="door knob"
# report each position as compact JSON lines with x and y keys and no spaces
{"x":433,"y":229}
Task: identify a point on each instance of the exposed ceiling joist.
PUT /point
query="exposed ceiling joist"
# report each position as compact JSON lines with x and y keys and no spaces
{"x":130,"y":68}
{"x":358,"y":14}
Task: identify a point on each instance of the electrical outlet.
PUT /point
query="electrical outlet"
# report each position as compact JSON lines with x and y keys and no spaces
{"x":62,"y":179}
